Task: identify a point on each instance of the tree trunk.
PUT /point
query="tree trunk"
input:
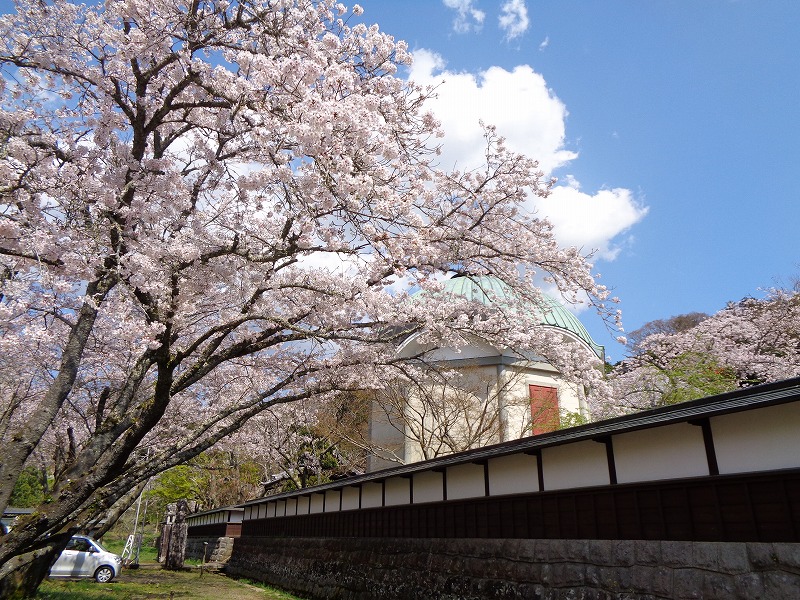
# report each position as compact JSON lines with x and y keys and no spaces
{"x":176,"y":543}
{"x":21,"y":576}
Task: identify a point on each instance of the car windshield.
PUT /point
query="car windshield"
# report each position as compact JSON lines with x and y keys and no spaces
{"x":84,"y":545}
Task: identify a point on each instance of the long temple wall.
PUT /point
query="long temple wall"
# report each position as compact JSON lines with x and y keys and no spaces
{"x":698,"y":500}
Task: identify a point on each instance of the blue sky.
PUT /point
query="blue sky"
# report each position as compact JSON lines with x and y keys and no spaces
{"x":681,"y":120}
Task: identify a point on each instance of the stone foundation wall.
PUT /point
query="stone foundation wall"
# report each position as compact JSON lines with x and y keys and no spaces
{"x":219,"y":548}
{"x":473,"y":569}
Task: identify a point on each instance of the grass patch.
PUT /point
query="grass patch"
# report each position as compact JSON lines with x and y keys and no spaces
{"x":147,"y":553}
{"x":150,"y":582}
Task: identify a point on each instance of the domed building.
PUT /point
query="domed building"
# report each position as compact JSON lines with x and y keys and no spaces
{"x":478,"y":394}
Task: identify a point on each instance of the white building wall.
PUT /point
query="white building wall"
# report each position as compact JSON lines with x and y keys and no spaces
{"x":428,"y":487}
{"x":372,"y":495}
{"x":398,"y":491}
{"x":303,"y":504}
{"x":332,"y":499}
{"x":513,"y":474}
{"x":317,"y":503}
{"x":665,"y":452}
{"x":755,"y":440}
{"x":291,"y":507}
{"x":350,"y":496}
{"x":465,"y":481}
{"x":575,"y":465}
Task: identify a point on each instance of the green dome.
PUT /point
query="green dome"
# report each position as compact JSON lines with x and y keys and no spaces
{"x":485,"y":289}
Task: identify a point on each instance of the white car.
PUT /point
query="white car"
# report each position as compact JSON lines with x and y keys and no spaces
{"x":85,"y":557}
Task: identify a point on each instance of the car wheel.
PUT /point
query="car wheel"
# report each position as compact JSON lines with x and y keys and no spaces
{"x":104,"y":574}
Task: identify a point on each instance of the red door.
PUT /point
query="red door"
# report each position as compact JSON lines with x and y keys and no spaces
{"x":544,"y":409}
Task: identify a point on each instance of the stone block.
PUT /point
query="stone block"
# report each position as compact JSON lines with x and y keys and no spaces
{"x":568,"y":574}
{"x":705,"y":555}
{"x":787,"y":555}
{"x":687,"y":583}
{"x":528,"y":572}
{"x":780,"y":584}
{"x":527,"y":551}
{"x":657,"y":581}
{"x":592,"y":576}
{"x":575,"y":550}
{"x":547,"y":574}
{"x":599,"y":552}
{"x":733,"y":558}
{"x":614,"y":579}
{"x":647,"y":552}
{"x":623,"y":553}
{"x":762,"y":556}
{"x":675,"y":554}
{"x":749,"y":585}
{"x":547,"y":550}
{"x":718,"y":585}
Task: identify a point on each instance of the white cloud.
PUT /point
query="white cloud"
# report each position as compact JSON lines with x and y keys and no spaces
{"x":545,"y":43}
{"x":468,"y":18}
{"x":517,"y":102}
{"x":590,"y":221}
{"x":514,"y":18}
{"x":532,"y":119}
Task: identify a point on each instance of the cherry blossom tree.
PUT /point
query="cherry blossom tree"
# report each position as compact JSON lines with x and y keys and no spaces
{"x":209,"y":208}
{"x":755,"y":340}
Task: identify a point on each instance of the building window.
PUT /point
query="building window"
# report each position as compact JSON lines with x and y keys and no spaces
{"x":544,"y":409}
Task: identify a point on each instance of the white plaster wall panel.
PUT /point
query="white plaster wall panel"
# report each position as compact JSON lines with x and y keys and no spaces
{"x":428,"y":487}
{"x":513,"y":474}
{"x":332,"y":500}
{"x":398,"y":491}
{"x":575,"y":465}
{"x":767,"y":438}
{"x":269,"y":512}
{"x":666,"y":452}
{"x":291,"y":507}
{"x":280,"y":509}
{"x":303,"y":503}
{"x":372,"y":495}
{"x":350,"y":498}
{"x":317,"y":503}
{"x":465,"y":481}
{"x":262,"y":511}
